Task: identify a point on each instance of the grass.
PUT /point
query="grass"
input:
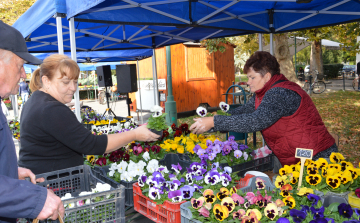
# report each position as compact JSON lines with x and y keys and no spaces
{"x":244,"y":78}
{"x":340,"y":111}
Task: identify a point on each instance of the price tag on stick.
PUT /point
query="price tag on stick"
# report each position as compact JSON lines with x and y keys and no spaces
{"x":303,"y":154}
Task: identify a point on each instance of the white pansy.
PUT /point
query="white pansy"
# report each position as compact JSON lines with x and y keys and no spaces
{"x":165,"y":169}
{"x":67,"y":196}
{"x":142,"y":163}
{"x":85,"y":193}
{"x":102,"y":187}
{"x":112,"y":169}
{"x":131,"y":166}
{"x":124,"y":176}
{"x":156,"y":108}
{"x":201,"y":111}
{"x":121,"y":167}
{"x":139,"y":170}
{"x":146,"y":156}
{"x":224,"y":107}
{"x":152,"y":166}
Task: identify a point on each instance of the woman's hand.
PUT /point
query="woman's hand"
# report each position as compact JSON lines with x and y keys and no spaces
{"x":142,"y":133}
{"x":202,"y":125}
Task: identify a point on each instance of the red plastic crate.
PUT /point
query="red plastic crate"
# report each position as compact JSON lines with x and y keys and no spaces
{"x":167,"y":212}
{"x":244,"y":181}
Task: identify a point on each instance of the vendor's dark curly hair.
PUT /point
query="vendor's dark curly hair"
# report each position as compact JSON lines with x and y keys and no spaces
{"x":262,"y":62}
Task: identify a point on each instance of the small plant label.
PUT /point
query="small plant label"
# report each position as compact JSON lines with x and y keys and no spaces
{"x":303,"y":154}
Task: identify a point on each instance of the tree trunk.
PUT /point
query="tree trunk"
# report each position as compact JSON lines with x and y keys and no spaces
{"x":316,"y":61}
{"x":282,"y":54}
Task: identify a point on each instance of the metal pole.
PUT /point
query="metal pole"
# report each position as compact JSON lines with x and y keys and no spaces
{"x":15,"y":105}
{"x":95,"y":86}
{"x":155,"y":81}
{"x":73,"y":56}
{"x":295,"y":58}
{"x":139,"y":89}
{"x":344,"y":81}
{"x":170,"y":104}
{"x":260,"y":42}
{"x":59,"y":35}
{"x":271,"y":44}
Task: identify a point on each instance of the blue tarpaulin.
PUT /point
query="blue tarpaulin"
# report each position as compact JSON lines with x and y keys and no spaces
{"x":30,"y":68}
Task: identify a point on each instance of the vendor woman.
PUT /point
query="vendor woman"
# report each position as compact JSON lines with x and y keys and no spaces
{"x":51,"y":136}
{"x":280,"y":109}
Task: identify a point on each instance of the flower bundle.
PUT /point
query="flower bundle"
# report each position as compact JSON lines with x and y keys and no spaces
{"x":7,"y":103}
{"x":14,"y":126}
{"x":99,"y":188}
{"x":337,"y":176}
{"x":183,"y":143}
{"x":229,"y":152}
{"x":281,"y":206}
{"x":157,"y":121}
{"x":161,"y":185}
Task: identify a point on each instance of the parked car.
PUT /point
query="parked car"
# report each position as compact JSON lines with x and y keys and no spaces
{"x":348,"y":70}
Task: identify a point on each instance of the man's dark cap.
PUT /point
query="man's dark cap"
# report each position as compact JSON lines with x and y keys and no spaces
{"x":12,"y":40}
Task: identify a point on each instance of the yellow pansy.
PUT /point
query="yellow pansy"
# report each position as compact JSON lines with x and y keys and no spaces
{"x":345,"y":165}
{"x":281,"y":181}
{"x":193,"y":137}
{"x":308,"y":161}
{"x":332,"y":171}
{"x":286,"y":169}
{"x":321,"y":163}
{"x":256,"y":211}
{"x":92,"y":122}
{"x":354,"y":173}
{"x":313,"y":179}
{"x":180,"y":149}
{"x":203,"y":146}
{"x":333,"y":181}
{"x":166,"y":147}
{"x":304,"y":191}
{"x":201,"y":137}
{"x":334,"y":166}
{"x":336,"y":157}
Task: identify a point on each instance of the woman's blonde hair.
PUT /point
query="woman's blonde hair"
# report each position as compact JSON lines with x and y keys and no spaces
{"x":48,"y":68}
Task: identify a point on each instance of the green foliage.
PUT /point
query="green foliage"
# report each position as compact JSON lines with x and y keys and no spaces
{"x":214,"y":45}
{"x":221,"y":112}
{"x":332,"y":70}
{"x":157,"y":123}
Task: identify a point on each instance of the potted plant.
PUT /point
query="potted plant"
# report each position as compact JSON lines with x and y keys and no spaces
{"x":157,"y":122}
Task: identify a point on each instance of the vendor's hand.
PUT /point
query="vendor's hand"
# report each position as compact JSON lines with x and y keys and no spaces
{"x":52,"y":208}
{"x":23,"y":173}
{"x":202,"y":125}
{"x":142,"y":133}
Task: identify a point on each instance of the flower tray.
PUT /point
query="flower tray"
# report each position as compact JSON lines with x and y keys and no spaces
{"x":261,"y":164}
{"x":78,"y":179}
{"x":167,"y":212}
{"x":186,"y":215}
{"x":101,"y":173}
{"x":354,"y":201}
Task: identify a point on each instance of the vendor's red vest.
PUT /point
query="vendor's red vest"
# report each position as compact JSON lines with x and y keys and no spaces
{"x":303,"y":129}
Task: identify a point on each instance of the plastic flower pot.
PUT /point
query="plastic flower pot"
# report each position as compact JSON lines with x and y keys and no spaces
{"x":160,"y":133}
{"x":354,"y":201}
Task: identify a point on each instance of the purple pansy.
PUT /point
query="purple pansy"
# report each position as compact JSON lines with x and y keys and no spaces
{"x":209,"y":143}
{"x":317,"y":213}
{"x":243,"y":147}
{"x":197,"y":188}
{"x":195,"y":166}
{"x":226,"y":150}
{"x":211,"y":156}
{"x":175,"y":196}
{"x":212,"y":177}
{"x":177,"y":168}
{"x":196,"y":148}
{"x":238,"y":154}
{"x":142,"y":180}
{"x":187,"y":191}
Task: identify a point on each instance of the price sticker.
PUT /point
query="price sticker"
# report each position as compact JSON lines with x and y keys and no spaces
{"x":303,"y":154}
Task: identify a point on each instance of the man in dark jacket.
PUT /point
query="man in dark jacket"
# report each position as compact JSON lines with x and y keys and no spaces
{"x":18,"y":197}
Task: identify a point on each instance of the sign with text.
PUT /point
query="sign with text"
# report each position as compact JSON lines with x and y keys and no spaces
{"x":303,"y":154}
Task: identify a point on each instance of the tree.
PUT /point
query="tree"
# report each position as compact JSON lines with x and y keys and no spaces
{"x":11,"y":10}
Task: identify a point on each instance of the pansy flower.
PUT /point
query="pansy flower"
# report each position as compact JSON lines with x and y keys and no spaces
{"x":279,"y":203}
{"x":320,"y":220}
{"x":226,"y":150}
{"x":174,"y":185}
{"x":334,"y":166}
{"x":237,"y":199}
{"x":321,"y":163}
{"x":280,"y":181}
{"x":354,"y":173}
{"x":344,"y":165}
{"x":221,"y":195}
{"x":239,"y":214}
{"x":224,"y":107}
{"x":201,"y":111}
{"x":247,"y":204}
{"x":220,"y":212}
{"x":285,"y":170}
{"x":298,"y":216}
{"x":238,"y":154}
{"x":290,"y":202}
{"x":225,"y":179}
{"x":260,"y":183}
{"x":154,"y":193}
{"x":283,"y":220}
{"x":187,"y":191}
{"x":333,"y":181}
{"x":204,"y":212}
{"x":314,"y":199}
{"x":344,"y":177}
{"x":317,"y":213}
{"x":285,"y":193}
{"x":254,"y":214}
{"x":209,"y":196}
{"x":250,"y":196}
{"x":175,"y":196}
{"x":212,"y":177}
{"x":177,"y":168}
{"x":229,"y":203}
{"x":336,"y":157}
{"x":271,"y":211}
{"x":311,"y":169}
{"x":197,"y":203}
{"x":313,"y":179}
{"x":195,"y":165}
{"x":304,"y":191}
{"x":345,"y":210}
{"x":142,"y":180}
{"x":197,"y":188}
{"x":200,"y":172}
{"x":233,"y":190}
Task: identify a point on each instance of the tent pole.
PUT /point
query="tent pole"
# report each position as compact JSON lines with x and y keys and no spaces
{"x":139,"y":89}
{"x":170,"y":104}
{"x":260,"y":42}
{"x":155,"y":81}
{"x":271,"y":44}
{"x":59,"y":35}
{"x":295,"y":57}
{"x":73,"y":56}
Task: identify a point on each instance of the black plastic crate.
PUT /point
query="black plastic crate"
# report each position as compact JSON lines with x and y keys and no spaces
{"x":101,"y":173}
{"x":174,"y":158}
{"x":76,"y":180}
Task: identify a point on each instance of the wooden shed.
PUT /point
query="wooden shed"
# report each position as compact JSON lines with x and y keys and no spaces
{"x":197,"y":76}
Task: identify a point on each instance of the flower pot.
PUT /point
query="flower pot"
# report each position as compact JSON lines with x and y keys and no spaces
{"x":354,"y":201}
{"x":160,"y":133}
{"x":343,"y":195}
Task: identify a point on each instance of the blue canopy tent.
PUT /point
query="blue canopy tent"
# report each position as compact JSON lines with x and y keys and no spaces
{"x":30,"y":68}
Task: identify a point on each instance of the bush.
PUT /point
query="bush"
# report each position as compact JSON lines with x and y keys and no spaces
{"x":332,"y":70}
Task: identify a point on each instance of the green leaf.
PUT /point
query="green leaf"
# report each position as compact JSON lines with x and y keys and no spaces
{"x":333,"y":207}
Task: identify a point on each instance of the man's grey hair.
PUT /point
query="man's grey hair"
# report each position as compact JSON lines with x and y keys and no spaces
{"x":6,"y":56}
